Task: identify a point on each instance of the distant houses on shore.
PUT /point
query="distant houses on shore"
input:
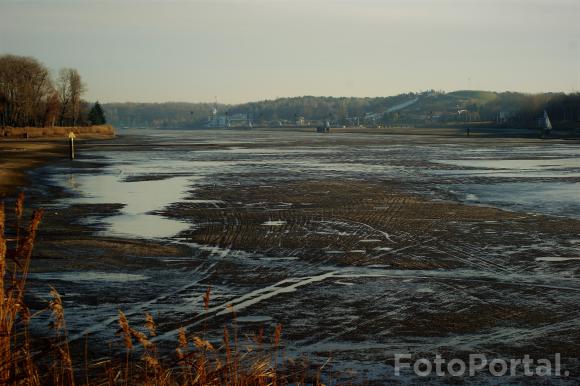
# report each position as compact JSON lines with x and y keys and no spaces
{"x":221,"y":121}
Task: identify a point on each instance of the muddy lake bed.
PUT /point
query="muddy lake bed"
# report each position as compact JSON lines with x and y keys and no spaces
{"x":360,"y":245}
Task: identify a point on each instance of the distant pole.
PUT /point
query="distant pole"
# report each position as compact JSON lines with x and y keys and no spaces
{"x":71,"y":145}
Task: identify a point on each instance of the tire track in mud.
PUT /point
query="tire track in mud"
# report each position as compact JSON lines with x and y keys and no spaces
{"x":470,"y":259}
{"x":255,"y":296}
{"x":144,"y":306}
{"x":234,"y":228}
{"x":207,"y":270}
{"x":475,"y":342}
{"x":347,"y":223}
{"x":321,"y":337}
{"x":251,"y":298}
{"x":521,"y":334}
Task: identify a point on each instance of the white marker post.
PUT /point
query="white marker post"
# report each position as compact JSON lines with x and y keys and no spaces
{"x":71,"y":143}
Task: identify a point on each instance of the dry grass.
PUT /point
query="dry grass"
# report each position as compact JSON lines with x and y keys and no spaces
{"x":55,"y":131}
{"x":197,"y":361}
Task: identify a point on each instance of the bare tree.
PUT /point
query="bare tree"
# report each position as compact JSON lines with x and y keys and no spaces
{"x":70,"y":90}
{"x":25,"y":87}
{"x":52,"y":111}
{"x":28,"y":96}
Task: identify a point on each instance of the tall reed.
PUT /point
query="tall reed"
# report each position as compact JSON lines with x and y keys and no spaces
{"x":198,"y":361}
{"x":16,"y":362}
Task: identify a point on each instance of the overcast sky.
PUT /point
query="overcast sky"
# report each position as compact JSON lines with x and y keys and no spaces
{"x":242,"y":50}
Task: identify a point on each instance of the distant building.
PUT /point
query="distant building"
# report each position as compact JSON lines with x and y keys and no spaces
{"x":324,"y":128}
{"x":238,"y":120}
{"x":215,"y":121}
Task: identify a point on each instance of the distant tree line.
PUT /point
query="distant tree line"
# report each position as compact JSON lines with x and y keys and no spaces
{"x":168,"y":115}
{"x":431,"y":109}
{"x":313,"y":108}
{"x":195,"y":115}
{"x":30,"y":96}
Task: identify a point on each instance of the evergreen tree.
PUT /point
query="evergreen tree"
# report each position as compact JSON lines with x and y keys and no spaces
{"x":97,"y":115}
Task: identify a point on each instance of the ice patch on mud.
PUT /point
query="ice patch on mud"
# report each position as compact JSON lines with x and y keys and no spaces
{"x":89,"y":276}
{"x":253,"y":319}
{"x":556,"y":258}
{"x":274,"y":223}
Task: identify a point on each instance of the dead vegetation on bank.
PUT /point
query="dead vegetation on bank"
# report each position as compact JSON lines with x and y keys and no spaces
{"x":197,"y":360}
{"x":55,"y":131}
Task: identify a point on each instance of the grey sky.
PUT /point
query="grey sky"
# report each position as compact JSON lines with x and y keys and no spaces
{"x":241,"y":50}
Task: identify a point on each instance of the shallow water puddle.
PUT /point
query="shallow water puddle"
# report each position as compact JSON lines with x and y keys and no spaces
{"x":516,"y":164}
{"x":554,"y":198}
{"x":144,"y":226}
{"x":139,"y":198}
{"x":550,"y":196}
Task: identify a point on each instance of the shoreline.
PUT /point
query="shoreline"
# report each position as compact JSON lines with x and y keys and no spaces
{"x":19,"y":156}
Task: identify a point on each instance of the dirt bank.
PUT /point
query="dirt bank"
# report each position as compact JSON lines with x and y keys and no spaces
{"x":18,"y":155}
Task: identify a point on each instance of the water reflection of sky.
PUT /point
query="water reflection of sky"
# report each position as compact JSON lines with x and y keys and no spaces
{"x":551,"y":195}
{"x":139,"y":199}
